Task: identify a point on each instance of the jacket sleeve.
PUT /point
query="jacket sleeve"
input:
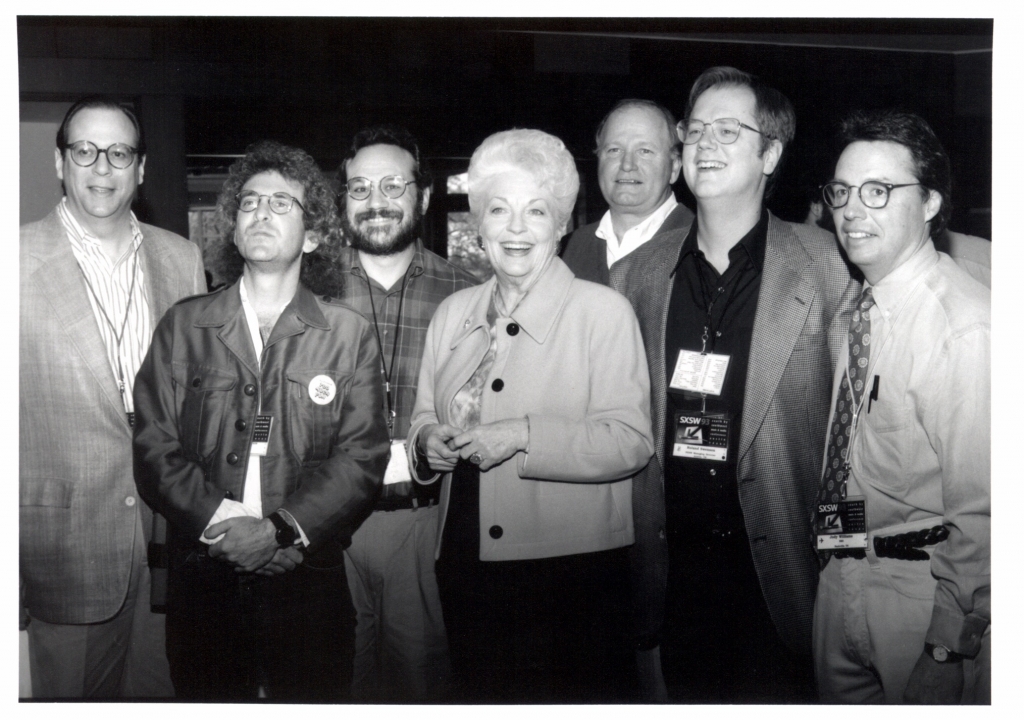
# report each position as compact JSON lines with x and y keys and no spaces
{"x":334,"y":498}
{"x":613,"y":439}
{"x":171,"y":484}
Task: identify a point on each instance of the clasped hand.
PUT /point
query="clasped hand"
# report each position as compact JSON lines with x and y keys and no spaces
{"x":250,"y":545}
{"x":496,"y":442}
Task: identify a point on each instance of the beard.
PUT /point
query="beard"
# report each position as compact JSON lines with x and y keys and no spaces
{"x":382,"y":240}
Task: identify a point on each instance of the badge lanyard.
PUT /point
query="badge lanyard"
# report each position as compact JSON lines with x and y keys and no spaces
{"x":388,"y":371}
{"x":709,"y":331}
{"x":119,"y":336}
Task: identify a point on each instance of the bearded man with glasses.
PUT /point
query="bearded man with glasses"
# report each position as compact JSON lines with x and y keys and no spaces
{"x":740,"y":314}
{"x":395,"y":282}
{"x":94,"y":283}
{"x":260,"y":437}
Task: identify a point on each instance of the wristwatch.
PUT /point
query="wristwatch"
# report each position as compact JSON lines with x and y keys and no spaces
{"x":942,"y":654}
{"x":286,"y":534}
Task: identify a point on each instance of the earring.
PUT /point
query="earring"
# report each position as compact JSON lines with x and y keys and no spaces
{"x":480,"y":242}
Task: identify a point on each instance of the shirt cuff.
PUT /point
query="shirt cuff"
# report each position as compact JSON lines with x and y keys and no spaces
{"x":227,"y":509}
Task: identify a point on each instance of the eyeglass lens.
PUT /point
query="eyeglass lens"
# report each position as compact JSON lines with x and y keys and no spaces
{"x":873,"y":194}
{"x":725,"y":130}
{"x":85,"y":154}
{"x":393,"y":186}
{"x":280,"y":203}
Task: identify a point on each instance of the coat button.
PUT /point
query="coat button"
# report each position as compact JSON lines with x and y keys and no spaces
{"x":232,"y":458}
{"x":496,"y":531}
{"x":497,"y":385}
{"x":228,"y":495}
{"x":327,"y":298}
{"x":512,"y":329}
{"x":249,"y":389}
{"x":129,"y":501}
{"x":196,"y":382}
{"x":240,"y":425}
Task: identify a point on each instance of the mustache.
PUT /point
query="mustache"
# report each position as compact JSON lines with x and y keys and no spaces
{"x":385,"y":213}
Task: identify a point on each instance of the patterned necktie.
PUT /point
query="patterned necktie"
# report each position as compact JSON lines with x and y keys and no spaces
{"x":833,"y":482}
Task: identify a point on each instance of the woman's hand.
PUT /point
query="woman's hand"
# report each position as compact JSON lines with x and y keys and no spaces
{"x":496,"y":442}
{"x":434,"y":443}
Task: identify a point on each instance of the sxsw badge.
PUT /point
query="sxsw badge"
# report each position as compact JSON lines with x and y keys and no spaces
{"x":322,"y":389}
{"x":841,"y":525}
{"x":700,"y":436}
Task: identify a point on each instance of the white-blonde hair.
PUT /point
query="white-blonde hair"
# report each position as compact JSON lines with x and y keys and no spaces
{"x":543,"y":156}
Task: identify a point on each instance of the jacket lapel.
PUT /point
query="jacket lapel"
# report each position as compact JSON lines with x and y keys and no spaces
{"x":160,"y":276}
{"x":782,"y":308}
{"x":226,"y":313}
{"x":63,"y":284}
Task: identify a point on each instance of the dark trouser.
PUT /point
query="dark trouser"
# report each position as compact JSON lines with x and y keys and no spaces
{"x":719,"y":643}
{"x":228,"y":633}
{"x":547,"y":630}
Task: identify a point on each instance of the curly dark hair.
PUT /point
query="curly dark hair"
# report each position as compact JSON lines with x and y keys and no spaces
{"x":320,"y":216}
{"x":931,"y":164}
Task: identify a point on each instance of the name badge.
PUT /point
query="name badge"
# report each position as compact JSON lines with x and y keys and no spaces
{"x":261,"y":435}
{"x":398,"y":464}
{"x":701,"y":437}
{"x":699,"y":372}
{"x":841,"y":525}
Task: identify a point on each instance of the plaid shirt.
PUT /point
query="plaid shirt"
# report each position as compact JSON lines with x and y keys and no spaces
{"x":430,"y":279}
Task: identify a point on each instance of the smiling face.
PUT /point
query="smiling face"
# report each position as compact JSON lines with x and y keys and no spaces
{"x":381,"y":225}
{"x":272,"y":243}
{"x":518,"y":227}
{"x":635,"y":162}
{"x":734,"y":173}
{"x":879,"y":240}
{"x":99,"y":192}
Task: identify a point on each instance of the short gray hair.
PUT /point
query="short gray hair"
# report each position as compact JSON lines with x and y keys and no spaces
{"x":543,"y":156}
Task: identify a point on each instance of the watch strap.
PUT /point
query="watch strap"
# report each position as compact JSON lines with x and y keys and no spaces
{"x":286,"y":534}
{"x":942,"y":654}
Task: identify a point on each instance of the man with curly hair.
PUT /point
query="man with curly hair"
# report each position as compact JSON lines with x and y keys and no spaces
{"x":259,"y":436}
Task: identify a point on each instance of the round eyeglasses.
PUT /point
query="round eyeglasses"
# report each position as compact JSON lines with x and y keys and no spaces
{"x":85,"y":154}
{"x":725,"y":130}
{"x":393,"y":186}
{"x":279,"y":202}
{"x":873,"y":194}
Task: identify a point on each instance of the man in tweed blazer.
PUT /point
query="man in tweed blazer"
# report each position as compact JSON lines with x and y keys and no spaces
{"x":742,"y":585}
{"x":84,"y":531}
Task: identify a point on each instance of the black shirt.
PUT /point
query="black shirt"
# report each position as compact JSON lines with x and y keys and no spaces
{"x":702,"y":496}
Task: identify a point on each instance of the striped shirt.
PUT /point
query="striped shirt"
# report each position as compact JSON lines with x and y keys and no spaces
{"x":109,"y":287}
{"x":429,"y":280}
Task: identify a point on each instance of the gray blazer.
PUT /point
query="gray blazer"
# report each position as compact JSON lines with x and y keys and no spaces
{"x":803,"y":312}
{"x":79,"y":506}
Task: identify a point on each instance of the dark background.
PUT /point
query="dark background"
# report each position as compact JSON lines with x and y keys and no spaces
{"x":211,"y":86}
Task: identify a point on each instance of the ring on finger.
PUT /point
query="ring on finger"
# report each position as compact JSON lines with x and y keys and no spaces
{"x":476,"y":458}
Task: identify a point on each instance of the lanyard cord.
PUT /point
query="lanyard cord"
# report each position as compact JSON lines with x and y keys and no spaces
{"x":118,"y":336}
{"x":388,"y":371}
{"x":705,"y":292}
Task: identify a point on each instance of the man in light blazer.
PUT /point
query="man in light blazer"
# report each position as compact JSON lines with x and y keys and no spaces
{"x":741,"y":316}
{"x":94,"y":283}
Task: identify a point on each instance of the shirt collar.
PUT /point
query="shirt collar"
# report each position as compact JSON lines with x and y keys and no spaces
{"x":644,"y":229}
{"x":751,"y":246}
{"x":895,"y":289}
{"x":78,"y":233}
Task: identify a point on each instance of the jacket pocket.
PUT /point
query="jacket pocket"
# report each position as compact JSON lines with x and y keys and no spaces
{"x":202,"y":394}
{"x":46,"y":492}
{"x":313,"y":405}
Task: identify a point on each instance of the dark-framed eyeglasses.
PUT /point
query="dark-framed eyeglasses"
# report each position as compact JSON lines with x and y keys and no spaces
{"x":873,"y":194}
{"x":85,"y":154}
{"x":725,"y":130}
{"x":393,"y":186}
{"x":280,"y":203}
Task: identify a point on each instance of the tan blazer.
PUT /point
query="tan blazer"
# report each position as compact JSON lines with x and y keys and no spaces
{"x":575,"y":368}
{"x":79,"y":505}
